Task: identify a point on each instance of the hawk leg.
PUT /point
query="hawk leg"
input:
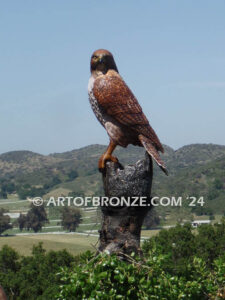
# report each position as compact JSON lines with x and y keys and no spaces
{"x":107,"y":155}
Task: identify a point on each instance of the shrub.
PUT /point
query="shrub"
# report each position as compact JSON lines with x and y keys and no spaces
{"x":4,"y":221}
{"x":181,"y":244}
{"x":106,"y":277}
{"x":32,"y":277}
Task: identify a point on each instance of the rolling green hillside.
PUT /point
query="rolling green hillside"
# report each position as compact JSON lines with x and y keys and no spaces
{"x":207,"y":180}
{"x":195,"y":170}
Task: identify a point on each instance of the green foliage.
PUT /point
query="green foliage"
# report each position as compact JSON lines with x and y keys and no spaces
{"x":106,"y":277}
{"x":177,"y":264}
{"x":55,"y":180}
{"x":213,"y":193}
{"x":4,"y":221}
{"x":21,"y":221}
{"x":181,"y":245}
{"x":178,"y":244}
{"x":76,"y":194}
{"x":71,"y":218}
{"x":36,"y":218}
{"x":33,"y":277}
{"x":218,"y":184}
{"x":201,"y":210}
{"x":210,"y":242}
{"x":211,"y":217}
{"x":152,"y":219}
{"x":8,"y":187}
{"x":28,"y":191}
{"x":72,"y":174}
{"x":3,"y":195}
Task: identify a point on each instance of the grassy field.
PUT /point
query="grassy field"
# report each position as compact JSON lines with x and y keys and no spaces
{"x":15,"y":205}
{"x":73,"y":243}
{"x":149,"y":233}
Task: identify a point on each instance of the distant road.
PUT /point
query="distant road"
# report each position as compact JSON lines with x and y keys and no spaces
{"x":64,"y":232}
{"x":56,"y":232}
{"x":12,"y":202}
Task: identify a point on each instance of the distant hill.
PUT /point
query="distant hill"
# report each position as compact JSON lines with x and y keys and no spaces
{"x":205,"y":178}
{"x":196,"y":169}
{"x":22,"y":162}
{"x":197,"y":154}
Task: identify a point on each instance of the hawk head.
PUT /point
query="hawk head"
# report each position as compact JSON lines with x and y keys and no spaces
{"x":102,"y":61}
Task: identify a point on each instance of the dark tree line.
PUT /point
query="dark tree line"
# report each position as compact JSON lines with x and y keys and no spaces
{"x":24,"y":189}
{"x":4,"y":221}
{"x":35,"y":219}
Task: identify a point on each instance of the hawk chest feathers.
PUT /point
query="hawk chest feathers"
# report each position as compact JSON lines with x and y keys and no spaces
{"x":114,"y":129}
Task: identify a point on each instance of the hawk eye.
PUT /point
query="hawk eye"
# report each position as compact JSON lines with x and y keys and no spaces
{"x":94,"y":57}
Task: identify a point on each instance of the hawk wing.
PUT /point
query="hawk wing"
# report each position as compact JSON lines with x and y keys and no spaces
{"x":117,"y":100}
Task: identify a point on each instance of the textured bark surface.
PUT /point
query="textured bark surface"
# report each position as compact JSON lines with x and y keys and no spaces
{"x":121,"y":225}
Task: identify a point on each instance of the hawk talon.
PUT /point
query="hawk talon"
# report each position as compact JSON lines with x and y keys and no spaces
{"x":104,"y":159}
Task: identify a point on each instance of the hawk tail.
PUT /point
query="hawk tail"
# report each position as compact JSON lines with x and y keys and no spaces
{"x":152,"y":152}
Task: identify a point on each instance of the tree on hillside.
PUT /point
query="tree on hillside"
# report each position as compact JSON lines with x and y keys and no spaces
{"x":4,"y":221}
{"x":3,"y":194}
{"x":56,"y":180}
{"x":152,"y":219}
{"x":71,"y":218}
{"x":218,"y":184}
{"x":72,"y":174}
{"x":78,"y":193}
{"x":30,"y":191}
{"x":8,"y":187}
{"x":36,"y":218}
{"x":182,"y":215}
{"x":21,"y":221}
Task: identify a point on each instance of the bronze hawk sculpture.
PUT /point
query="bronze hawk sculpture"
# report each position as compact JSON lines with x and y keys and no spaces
{"x":119,"y":112}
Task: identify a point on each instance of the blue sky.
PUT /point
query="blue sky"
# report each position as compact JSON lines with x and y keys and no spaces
{"x":170,"y":53}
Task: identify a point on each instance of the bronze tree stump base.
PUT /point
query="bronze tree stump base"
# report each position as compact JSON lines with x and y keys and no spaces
{"x":121,"y":225}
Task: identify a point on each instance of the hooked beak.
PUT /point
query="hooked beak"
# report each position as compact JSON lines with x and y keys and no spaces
{"x":101,"y":59}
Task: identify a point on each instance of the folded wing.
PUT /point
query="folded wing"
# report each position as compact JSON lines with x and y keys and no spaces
{"x":115,"y":97}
